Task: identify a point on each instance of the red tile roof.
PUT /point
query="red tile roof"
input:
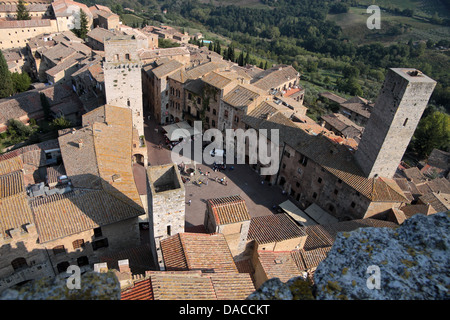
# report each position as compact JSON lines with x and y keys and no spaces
{"x":142,"y":290}
{"x":196,"y":251}
{"x":229,"y":209}
{"x":273,"y":228}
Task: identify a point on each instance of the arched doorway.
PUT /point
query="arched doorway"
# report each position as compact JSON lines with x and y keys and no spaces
{"x":138,"y":158}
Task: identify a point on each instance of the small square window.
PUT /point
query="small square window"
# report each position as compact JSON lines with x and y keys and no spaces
{"x":319,"y":180}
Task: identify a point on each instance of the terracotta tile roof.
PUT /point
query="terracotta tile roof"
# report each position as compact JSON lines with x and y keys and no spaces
{"x":320,"y":236}
{"x":61,"y":215}
{"x":11,"y":184}
{"x":99,"y":34}
{"x":278,"y":264}
{"x":411,"y":210}
{"x":413,"y":174}
{"x":310,"y":259}
{"x":217,"y":80}
{"x":167,"y":68}
{"x":332,"y":97}
{"x":195,"y":251}
{"x":63,"y":8}
{"x":441,"y":185}
{"x":229,"y":209}
{"x":31,"y":7}
{"x":275,"y":77}
{"x":25,"y":23}
{"x":182,"y":287}
{"x":29,"y":104}
{"x":80,"y":163}
{"x":439,"y":159}
{"x":15,"y":212}
{"x":146,"y":54}
{"x":142,"y":290}
{"x":242,"y":95}
{"x":204,"y":69}
{"x":173,"y":253}
{"x":358,"y":105}
{"x":273,"y":228}
{"x":341,"y":123}
{"x":292,"y":91}
{"x":166,"y":285}
{"x":440,"y":202}
{"x":229,"y":286}
{"x":10,"y":164}
{"x":104,"y":160}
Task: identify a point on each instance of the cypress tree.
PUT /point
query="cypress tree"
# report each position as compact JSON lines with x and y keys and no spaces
{"x":6,"y":83}
{"x":247,"y":58}
{"x":241,"y":59}
{"x":84,"y":29}
{"x":22,"y":12}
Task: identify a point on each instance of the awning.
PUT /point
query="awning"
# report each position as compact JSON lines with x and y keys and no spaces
{"x":295,"y":213}
{"x":180,"y":130}
{"x":320,"y":215}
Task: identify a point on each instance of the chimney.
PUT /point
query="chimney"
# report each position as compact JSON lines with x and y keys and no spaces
{"x":124,"y":266}
{"x":101,"y":267}
{"x":80,"y":143}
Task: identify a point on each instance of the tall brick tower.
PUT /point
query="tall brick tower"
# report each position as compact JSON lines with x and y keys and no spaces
{"x":398,"y":109}
{"x":122,"y":70}
{"x":166,"y":206}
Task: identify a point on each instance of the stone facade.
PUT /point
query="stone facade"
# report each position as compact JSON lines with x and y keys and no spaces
{"x":398,"y":109}
{"x":122,"y":72}
{"x":166,"y":201}
{"x":22,"y":259}
{"x":307,"y":182}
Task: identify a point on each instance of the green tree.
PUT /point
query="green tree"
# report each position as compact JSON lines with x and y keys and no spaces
{"x":240,"y":60}
{"x":84,"y":24}
{"x":6,"y":84}
{"x":247,"y":58}
{"x":61,"y":123}
{"x":210,"y":47}
{"x":17,"y":129}
{"x":433,"y":132}
{"x":45,"y":106}
{"x":22,"y":12}
{"x":21,"y":81}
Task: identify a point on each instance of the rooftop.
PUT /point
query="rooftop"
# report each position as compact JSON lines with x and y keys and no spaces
{"x":275,"y":77}
{"x":230,"y":209}
{"x":273,"y":228}
{"x":197,"y":251}
{"x":163,"y":285}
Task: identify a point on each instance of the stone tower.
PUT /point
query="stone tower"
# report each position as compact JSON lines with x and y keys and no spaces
{"x":166,"y":206}
{"x":398,"y":109}
{"x":122,"y":70}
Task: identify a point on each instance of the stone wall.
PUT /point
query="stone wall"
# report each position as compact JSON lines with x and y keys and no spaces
{"x":123,"y":82}
{"x":398,"y":109}
{"x":310,"y":183}
{"x":166,"y":207}
{"x":22,"y":244}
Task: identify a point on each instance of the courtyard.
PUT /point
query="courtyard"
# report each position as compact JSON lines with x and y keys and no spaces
{"x":242,"y":180}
